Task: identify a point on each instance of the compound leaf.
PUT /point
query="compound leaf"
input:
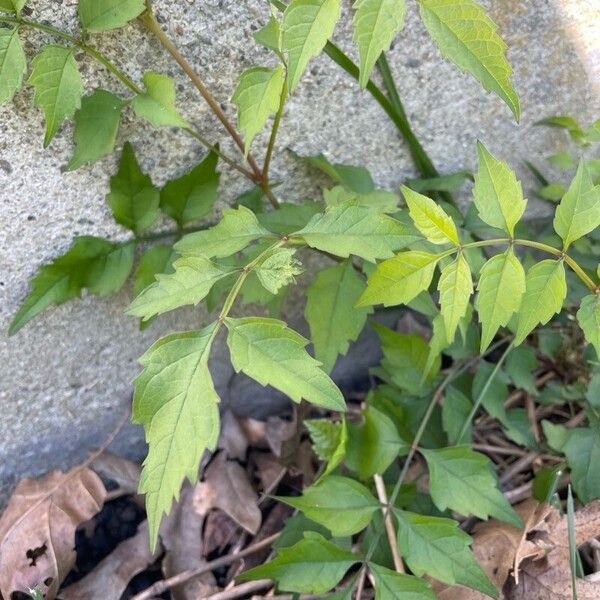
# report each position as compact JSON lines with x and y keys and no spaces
{"x":101,"y":15}
{"x":307,"y":25}
{"x":133,"y":199}
{"x":390,"y":585}
{"x":176,"y":402}
{"x":193,"y":195}
{"x":96,"y":127}
{"x":501,"y":287}
{"x":330,"y":312}
{"x":257,"y":97}
{"x":376,"y":22}
{"x":350,"y":229}
{"x":545,"y":292}
{"x":462,"y":480}
{"x":157,"y":105}
{"x":58,"y":87}
{"x":268,"y":351}
{"x":467,"y":36}
{"x":588,"y":317}
{"x":13,"y":63}
{"x":455,"y":287}
{"x":497,"y":193}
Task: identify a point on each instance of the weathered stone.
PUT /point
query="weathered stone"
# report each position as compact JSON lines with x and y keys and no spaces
{"x":66,"y":378}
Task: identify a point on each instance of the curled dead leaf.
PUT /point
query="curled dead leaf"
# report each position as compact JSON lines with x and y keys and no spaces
{"x":37,"y":529}
{"x":123,"y":472}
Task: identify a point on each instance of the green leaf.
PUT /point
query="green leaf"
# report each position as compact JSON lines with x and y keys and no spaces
{"x":501,"y":287}
{"x":155,"y":260}
{"x":545,"y":292}
{"x":467,"y":36}
{"x":582,"y":449}
{"x":278,"y":269}
{"x":341,"y":504}
{"x":307,"y":25}
{"x":313,"y":566}
{"x":442,"y":183}
{"x":101,"y":15}
{"x":455,"y":411}
{"x":12,"y":5}
{"x":96,"y":127}
{"x":257,"y":97}
{"x":193,"y":195}
{"x":132,"y":197}
{"x":349,"y":229}
{"x":238,"y":228}
{"x":176,"y":402}
{"x":289,"y":217}
{"x":390,"y":585}
{"x":13,"y":63}
{"x":455,"y":287}
{"x":272,"y":354}
{"x":329,"y":441}
{"x":270,"y":36}
{"x":437,"y":546}
{"x":376,"y":23}
{"x":579,"y":211}
{"x":92,"y":263}
{"x":497,"y":193}
{"x":380,"y":200}
{"x":330,"y":312}
{"x":521,"y":366}
{"x":588,"y":317}
{"x":157,"y":105}
{"x":193,"y":278}
{"x":58,"y":87}
{"x":400,"y":279}
{"x":430,"y":218}
{"x":562,"y":160}
{"x":373,"y":445}
{"x":463,"y":481}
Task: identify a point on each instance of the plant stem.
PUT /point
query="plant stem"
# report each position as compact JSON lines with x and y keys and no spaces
{"x":275,"y":129}
{"x":389,"y":523}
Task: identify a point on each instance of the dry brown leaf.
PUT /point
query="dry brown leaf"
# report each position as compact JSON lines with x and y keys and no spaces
{"x":269,"y":469}
{"x":232,"y":438}
{"x":112,"y":575}
{"x":220,"y":531}
{"x":226,"y":486}
{"x":278,"y":431}
{"x":37,"y":529}
{"x":181,"y":535}
{"x":125,"y":473}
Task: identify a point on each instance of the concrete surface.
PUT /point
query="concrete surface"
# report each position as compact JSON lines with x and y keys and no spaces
{"x":65,"y":380}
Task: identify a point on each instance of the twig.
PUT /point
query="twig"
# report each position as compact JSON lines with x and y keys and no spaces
{"x":241,"y":590}
{"x":525,"y":461}
{"x":160,"y":586}
{"x":361,"y":582}
{"x":389,"y":523}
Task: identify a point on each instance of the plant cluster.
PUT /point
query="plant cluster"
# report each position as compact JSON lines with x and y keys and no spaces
{"x":385,"y":250}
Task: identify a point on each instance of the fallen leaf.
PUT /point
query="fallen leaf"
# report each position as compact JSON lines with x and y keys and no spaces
{"x":123,"y":472}
{"x":278,"y":431}
{"x":219,"y":532}
{"x":112,"y":575}
{"x":232,"y":438}
{"x":181,"y":535}
{"x":269,"y":470}
{"x":226,"y":486}
{"x":37,"y":529}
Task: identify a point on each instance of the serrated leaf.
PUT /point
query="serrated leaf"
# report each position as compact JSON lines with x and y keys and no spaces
{"x":501,"y":287}
{"x":257,"y":97}
{"x":157,"y":105}
{"x":437,"y":546}
{"x":579,"y":211}
{"x":329,"y":441}
{"x":341,"y":504}
{"x":463,"y":481}
{"x":455,"y":287}
{"x":101,"y":15}
{"x":98,"y":265}
{"x":193,"y":195}
{"x":12,"y":5}
{"x":330,"y":312}
{"x":153,"y":261}
{"x":497,"y":193}
{"x":349,"y":229}
{"x":379,"y":200}
{"x":400,"y":279}
{"x":582,"y":449}
{"x":176,"y":402}
{"x":58,"y":87}
{"x":307,"y":25}
{"x":96,"y":127}
{"x":313,"y":565}
{"x":269,"y":352}
{"x":376,"y":23}
{"x":545,"y":292}
{"x":269,"y":36}
{"x":278,"y":269}
{"x":289,"y":217}
{"x":455,"y":411}
{"x":132,"y":198}
{"x":468,"y":37}
{"x":191,"y":281}
{"x":430,"y":218}
{"x":13,"y":63}
{"x":588,"y":317}
{"x":238,"y":228}
{"x":390,"y":585}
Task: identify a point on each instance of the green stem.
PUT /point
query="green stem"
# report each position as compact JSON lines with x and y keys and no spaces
{"x":275,"y":129}
{"x":482,"y":394}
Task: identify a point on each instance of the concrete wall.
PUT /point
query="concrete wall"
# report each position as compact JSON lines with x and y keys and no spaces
{"x":65,"y":379}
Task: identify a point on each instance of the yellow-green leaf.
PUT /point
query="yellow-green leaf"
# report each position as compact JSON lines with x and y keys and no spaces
{"x":101,"y":15}
{"x":157,"y":105}
{"x":13,"y":63}
{"x":455,"y":287}
{"x":588,"y":317}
